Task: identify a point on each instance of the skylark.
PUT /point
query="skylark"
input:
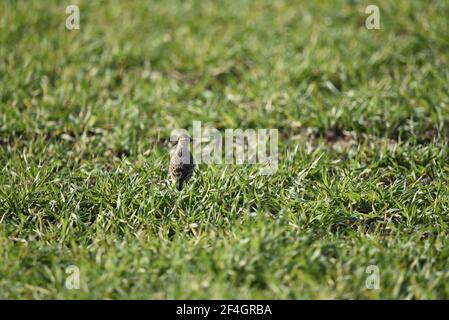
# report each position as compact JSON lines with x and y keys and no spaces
{"x":181,"y":162}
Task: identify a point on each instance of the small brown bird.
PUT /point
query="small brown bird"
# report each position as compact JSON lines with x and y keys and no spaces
{"x":181,"y":162}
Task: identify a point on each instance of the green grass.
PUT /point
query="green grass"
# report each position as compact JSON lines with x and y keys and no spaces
{"x":85,"y":116}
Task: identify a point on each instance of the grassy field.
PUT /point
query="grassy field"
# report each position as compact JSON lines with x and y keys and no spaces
{"x":363,"y":179}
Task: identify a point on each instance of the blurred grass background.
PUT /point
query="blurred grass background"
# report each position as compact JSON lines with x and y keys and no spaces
{"x":363,"y":179}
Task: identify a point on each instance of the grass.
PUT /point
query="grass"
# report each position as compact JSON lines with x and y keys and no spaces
{"x":363,"y":177}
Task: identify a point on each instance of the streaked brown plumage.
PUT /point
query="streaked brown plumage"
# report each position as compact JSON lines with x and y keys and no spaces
{"x":181,"y":162}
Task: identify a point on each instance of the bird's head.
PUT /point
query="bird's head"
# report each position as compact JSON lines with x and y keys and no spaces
{"x":184,"y":140}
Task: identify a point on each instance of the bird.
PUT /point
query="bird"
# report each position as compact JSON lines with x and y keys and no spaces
{"x":181,"y":162}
